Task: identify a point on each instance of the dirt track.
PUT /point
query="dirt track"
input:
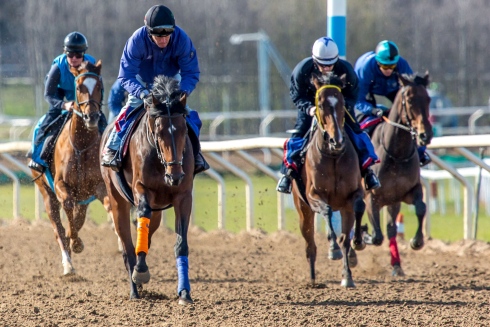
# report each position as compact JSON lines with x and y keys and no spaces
{"x":238,"y":280}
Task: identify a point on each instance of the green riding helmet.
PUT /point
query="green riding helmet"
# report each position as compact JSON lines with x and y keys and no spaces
{"x":387,"y":53}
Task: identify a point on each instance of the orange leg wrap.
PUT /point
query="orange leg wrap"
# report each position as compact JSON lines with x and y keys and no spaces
{"x":142,"y":235}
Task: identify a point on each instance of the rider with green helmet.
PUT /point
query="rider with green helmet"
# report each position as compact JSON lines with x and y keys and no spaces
{"x":378,"y":75}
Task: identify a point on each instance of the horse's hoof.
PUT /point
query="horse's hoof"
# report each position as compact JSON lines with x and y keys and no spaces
{"x":77,"y":245}
{"x":68,"y":269}
{"x":397,"y":271}
{"x":185,"y":298}
{"x":141,"y":277}
{"x":335,"y":254}
{"x":358,"y":246}
{"x":347,"y":282}
{"x":352,"y":258}
{"x":415,"y":245}
{"x":134,"y":296}
{"x":139,"y":287}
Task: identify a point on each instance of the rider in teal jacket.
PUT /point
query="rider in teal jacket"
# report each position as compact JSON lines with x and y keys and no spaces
{"x":378,"y":75}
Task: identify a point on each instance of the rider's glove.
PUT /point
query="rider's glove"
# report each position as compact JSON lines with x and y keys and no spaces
{"x":312,"y":111}
{"x":377,"y":112}
{"x":144,"y":94}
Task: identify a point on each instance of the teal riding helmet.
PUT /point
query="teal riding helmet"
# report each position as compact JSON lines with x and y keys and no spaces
{"x":387,"y":53}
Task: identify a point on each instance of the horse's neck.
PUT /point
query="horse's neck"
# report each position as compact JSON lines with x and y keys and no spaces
{"x":80,"y":135}
{"x":394,"y":136}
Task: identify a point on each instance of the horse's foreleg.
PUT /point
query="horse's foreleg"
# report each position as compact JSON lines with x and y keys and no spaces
{"x":141,"y":273}
{"x":181,"y":248}
{"x":53,"y":209}
{"x":78,"y":215}
{"x":307,"y":227}
{"x":334,"y":252}
{"x":393,"y":211}
{"x":347,"y":280}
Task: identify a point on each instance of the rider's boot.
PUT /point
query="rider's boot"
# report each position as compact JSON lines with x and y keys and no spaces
{"x":285,"y":183}
{"x":200,"y":164}
{"x":36,"y":166}
{"x":371,"y":181}
{"x":109,"y":158}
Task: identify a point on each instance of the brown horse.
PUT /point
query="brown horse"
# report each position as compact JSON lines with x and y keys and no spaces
{"x":159,"y":167}
{"x":332,"y":179}
{"x":73,"y":179}
{"x":395,"y":142}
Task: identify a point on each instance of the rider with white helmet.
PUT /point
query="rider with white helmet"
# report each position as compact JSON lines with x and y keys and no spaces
{"x":324,"y":59}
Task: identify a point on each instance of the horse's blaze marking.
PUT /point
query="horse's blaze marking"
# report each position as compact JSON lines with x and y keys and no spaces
{"x":90,"y":83}
{"x":171,"y":128}
{"x":333,"y":101}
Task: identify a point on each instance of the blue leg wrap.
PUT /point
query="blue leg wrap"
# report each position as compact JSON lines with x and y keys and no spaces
{"x":421,"y":150}
{"x":183,"y":273}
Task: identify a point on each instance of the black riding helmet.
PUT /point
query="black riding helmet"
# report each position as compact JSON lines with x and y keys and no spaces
{"x":159,"y":21}
{"x":75,"y":42}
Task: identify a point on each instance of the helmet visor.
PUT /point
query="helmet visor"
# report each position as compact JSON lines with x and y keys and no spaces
{"x":163,"y":30}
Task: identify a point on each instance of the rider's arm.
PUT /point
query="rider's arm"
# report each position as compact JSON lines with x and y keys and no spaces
{"x":51,"y":92}
{"x":299,"y":87}
{"x":188,"y":63}
{"x":133,"y":54}
{"x":365,"y":77}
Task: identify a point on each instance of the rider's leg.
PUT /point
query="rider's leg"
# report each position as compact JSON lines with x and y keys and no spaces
{"x":102,"y":123}
{"x":39,"y":136}
{"x":293,"y":163}
{"x":365,"y":151}
{"x":423,"y":156}
{"x":195,"y":123}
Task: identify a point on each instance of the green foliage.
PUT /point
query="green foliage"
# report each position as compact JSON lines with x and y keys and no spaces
{"x":18,"y":100}
{"x":448,"y":227}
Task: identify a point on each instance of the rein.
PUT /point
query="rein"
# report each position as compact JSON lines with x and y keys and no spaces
{"x":407,"y":127}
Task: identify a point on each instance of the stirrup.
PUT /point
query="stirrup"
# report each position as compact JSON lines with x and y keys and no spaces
{"x":109,"y":159}
{"x":36,"y":166}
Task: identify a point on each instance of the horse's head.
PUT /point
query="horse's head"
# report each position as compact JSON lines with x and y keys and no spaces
{"x":88,"y":92}
{"x":167,"y":126}
{"x":412,"y":102}
{"x":330,"y":113}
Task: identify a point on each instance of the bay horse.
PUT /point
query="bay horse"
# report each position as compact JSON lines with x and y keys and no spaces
{"x":158,"y":167}
{"x":332,"y":179}
{"x":73,"y":179}
{"x":395,"y":141}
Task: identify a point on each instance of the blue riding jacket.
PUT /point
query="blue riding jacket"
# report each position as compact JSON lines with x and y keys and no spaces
{"x":60,"y":82}
{"x":141,"y":56}
{"x":372,"y":81}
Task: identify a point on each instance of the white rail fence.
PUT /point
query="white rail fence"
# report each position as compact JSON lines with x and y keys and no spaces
{"x":273,"y":145}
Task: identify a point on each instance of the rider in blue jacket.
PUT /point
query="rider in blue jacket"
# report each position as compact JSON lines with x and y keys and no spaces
{"x":325,"y":58}
{"x":116,"y":100}
{"x":157,"y":48}
{"x":376,"y":71}
{"x":59,"y":92}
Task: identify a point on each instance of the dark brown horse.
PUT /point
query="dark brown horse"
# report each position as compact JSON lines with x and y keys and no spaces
{"x":74,"y":178}
{"x":396,"y":142}
{"x":332,"y":179}
{"x":158,"y":168}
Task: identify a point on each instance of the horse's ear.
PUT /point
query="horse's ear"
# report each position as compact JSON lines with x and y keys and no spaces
{"x":98,"y":67}
{"x":183,"y":99}
{"x":403,"y":79}
{"x":343,"y":80}
{"x":426,"y":77}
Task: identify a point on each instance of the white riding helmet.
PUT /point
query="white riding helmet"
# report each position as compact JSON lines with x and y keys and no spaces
{"x":325,"y":51}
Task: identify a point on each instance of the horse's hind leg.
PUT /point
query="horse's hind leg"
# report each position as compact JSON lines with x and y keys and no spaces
{"x":359,"y":208}
{"x":393,"y":211}
{"x":334,"y":252}
{"x":307,"y":227}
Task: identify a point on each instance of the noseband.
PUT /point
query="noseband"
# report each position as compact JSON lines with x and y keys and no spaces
{"x":153,"y":139}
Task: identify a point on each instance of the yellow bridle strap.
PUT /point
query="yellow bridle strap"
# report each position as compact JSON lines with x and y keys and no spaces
{"x":317,"y":112}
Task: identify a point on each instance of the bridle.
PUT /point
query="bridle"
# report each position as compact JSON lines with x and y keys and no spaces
{"x":321,"y":124}
{"x":78,"y":104}
{"x":405,"y":116}
{"x":153,"y":138}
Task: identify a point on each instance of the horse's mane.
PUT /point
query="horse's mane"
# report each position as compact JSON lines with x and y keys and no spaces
{"x":166,"y":90}
{"x":330,"y":78}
